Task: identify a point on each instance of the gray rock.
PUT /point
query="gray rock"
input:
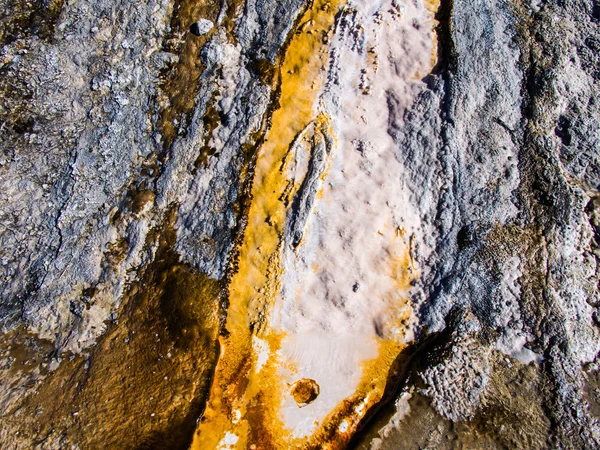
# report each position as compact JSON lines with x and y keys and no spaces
{"x":201,"y":27}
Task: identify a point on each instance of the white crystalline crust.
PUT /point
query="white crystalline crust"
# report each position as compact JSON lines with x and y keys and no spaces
{"x":340,"y":289}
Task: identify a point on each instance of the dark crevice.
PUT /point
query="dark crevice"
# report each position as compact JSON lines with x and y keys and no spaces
{"x":447,"y":57}
{"x":415,"y":358}
{"x":563,"y":130}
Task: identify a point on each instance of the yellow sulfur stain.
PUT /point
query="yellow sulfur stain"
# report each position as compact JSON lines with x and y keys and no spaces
{"x":239,"y":394}
{"x":243,"y":410}
{"x":433,"y":7}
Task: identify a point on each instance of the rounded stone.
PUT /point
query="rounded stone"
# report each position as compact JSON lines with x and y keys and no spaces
{"x":201,"y":27}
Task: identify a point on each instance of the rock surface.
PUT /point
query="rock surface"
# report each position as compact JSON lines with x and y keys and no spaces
{"x":204,"y":203}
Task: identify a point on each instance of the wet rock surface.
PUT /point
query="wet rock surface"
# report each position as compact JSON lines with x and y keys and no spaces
{"x":130,"y":134}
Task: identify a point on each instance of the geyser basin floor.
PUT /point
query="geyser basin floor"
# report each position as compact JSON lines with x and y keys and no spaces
{"x":321,"y":295}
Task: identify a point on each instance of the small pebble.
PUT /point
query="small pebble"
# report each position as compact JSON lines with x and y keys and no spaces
{"x":201,"y":27}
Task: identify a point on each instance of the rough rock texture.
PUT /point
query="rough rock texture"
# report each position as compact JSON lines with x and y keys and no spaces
{"x":128,"y":149}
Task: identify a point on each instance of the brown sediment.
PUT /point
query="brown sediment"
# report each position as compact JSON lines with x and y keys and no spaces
{"x":144,"y":385}
{"x":511,"y":415}
{"x":181,"y":80}
{"x":265,"y":70}
{"x":137,"y":199}
{"x":305,"y":391}
{"x":592,"y":389}
{"x":20,"y":19}
{"x":211,"y":120}
{"x":178,"y":90}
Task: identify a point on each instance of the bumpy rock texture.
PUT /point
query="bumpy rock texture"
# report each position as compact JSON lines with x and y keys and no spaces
{"x":167,"y":254}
